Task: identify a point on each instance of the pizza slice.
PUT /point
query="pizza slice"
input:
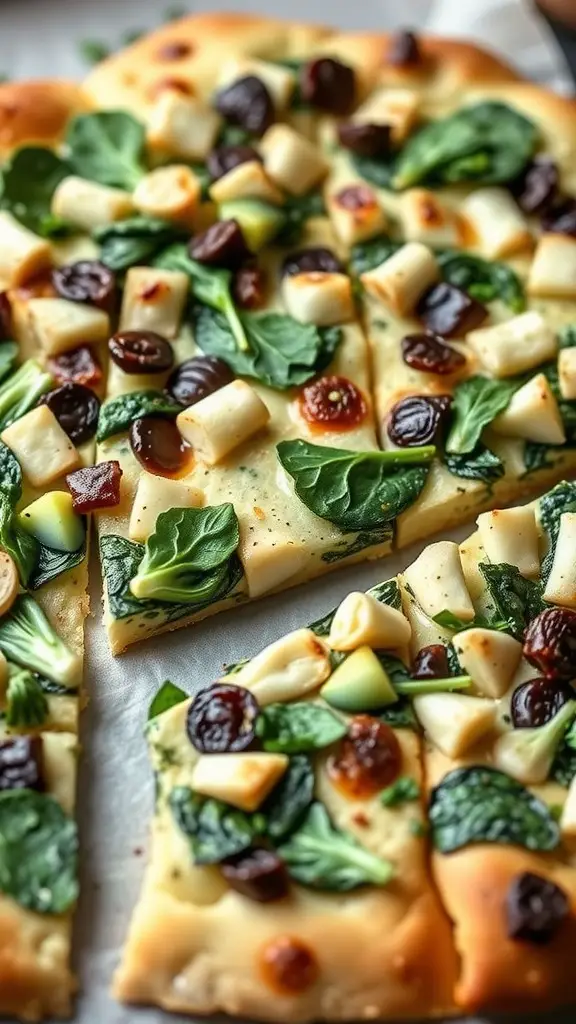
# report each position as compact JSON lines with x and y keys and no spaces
{"x":298,"y":798}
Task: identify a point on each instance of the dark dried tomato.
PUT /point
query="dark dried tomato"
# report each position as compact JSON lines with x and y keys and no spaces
{"x":371,"y":140}
{"x":141,"y":352}
{"x":536,"y":908}
{"x":450,"y":312}
{"x":76,"y":408}
{"x":95,"y":487}
{"x":159,"y":446}
{"x":313,"y":259}
{"x":257,"y":873}
{"x":328,"y":84}
{"x":221,"y":245}
{"x":226,"y":158}
{"x":78,"y":366}
{"x":248,"y":104}
{"x":561,"y":219}
{"x":221,"y":719}
{"x":5,"y":317}
{"x":355,"y":197}
{"x":431,"y":663}
{"x":21,"y":763}
{"x":404,"y":50}
{"x":416,"y":419}
{"x":550,"y":643}
{"x":334,"y":403}
{"x":174,"y":50}
{"x":86,"y":281}
{"x":289,"y":966}
{"x":248,"y":287}
{"x":534,"y":703}
{"x":368,"y":760}
{"x":428,"y":353}
{"x":198,"y":377}
{"x":536,"y":190}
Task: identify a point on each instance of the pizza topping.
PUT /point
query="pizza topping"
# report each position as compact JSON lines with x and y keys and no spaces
{"x":528,"y":754}
{"x":246,"y":181}
{"x":450,"y":312}
{"x":257,"y":873}
{"x":293,"y":162}
{"x":355,"y":197}
{"x":510,"y":535}
{"x":455,"y":722}
{"x":536,"y":702}
{"x":298,"y":727}
{"x":368,"y":759}
{"x":198,"y":377}
{"x":536,"y":908}
{"x":6,"y":330}
{"x":86,"y":281}
{"x":404,"y":50}
{"x":79,"y":366}
{"x":76,"y":408}
{"x":246,"y":103}
{"x":431,"y":663}
{"x":141,"y":352}
{"x":181,"y":126}
{"x":550,"y":643}
{"x":428,"y":353}
{"x":41,"y":446}
{"x":222,"y":421}
{"x":159,"y":447}
{"x":492,"y":220}
{"x":537,"y":188}
{"x":221,"y":245}
{"x":363,"y":619}
{"x":372,"y":140}
{"x":28,"y":639}
{"x":221,"y":719}
{"x":416,"y":420}
{"x":52,"y":520}
{"x":95,"y":487}
{"x":313,"y":259}
{"x":402,"y":278}
{"x":226,"y":158}
{"x":117,"y":414}
{"x":9,"y":582}
{"x":438,"y":583}
{"x":561,"y":219}
{"x":155,"y":495}
{"x":489,"y":656}
{"x":58,"y":324}
{"x":360,"y":683}
{"x":333,"y":403}
{"x":248,"y":287}
{"x":243,"y":780}
{"x":289,"y":966}
{"x":21,"y":763}
{"x":328,"y":84}
{"x":24,"y":254}
{"x":287,"y":669}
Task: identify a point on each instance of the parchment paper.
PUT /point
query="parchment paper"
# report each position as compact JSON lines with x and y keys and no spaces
{"x":38,"y":38}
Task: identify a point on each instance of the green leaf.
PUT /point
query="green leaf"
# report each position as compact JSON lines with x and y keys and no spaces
{"x":563,"y":768}
{"x":38,"y":852}
{"x":298,"y":210}
{"x":299,"y":727}
{"x":475,"y":403}
{"x":16,"y":542}
{"x":107,"y":147}
{"x":538,"y":456}
{"x":482,"y":805}
{"x":378,"y":171}
{"x":567,"y":336}
{"x":355,"y":490}
{"x":118,"y":414}
{"x":51,"y":563}
{"x":551,"y":506}
{"x":136,"y":241}
{"x":448,"y":620}
{"x":400,"y":715}
{"x":21,"y":390}
{"x":415,"y":687}
{"x":516,"y":599}
{"x":26,"y":704}
{"x":387,"y":592}
{"x":29,"y":181}
{"x":28,"y":638}
{"x":93,"y":51}
{"x":168,"y":696}
{"x":8,"y":356}
{"x":484,"y":280}
{"x":215,"y":829}
{"x":479,"y":464}
{"x":323,"y":857}
{"x":284,"y":809}
{"x":120,"y":559}
{"x":404,"y":790}
{"x":365,"y":539}
{"x":366,"y":256}
{"x":10,"y":475}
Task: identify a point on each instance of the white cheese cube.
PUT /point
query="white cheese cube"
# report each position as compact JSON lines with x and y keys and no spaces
{"x":437,"y":581}
{"x":286,"y":670}
{"x":453,"y":722}
{"x":567,"y":373}
{"x":568,"y":819}
{"x":395,"y":107}
{"x":217,"y":424}
{"x":533,"y":414}
{"x":58,"y":325}
{"x":22,"y":253}
{"x":154,"y":300}
{"x":280,"y":82}
{"x":156,"y":494}
{"x":291,"y":160}
{"x":400,"y":280}
{"x":561,"y":583}
{"x":489,"y":657}
{"x":246,"y":181}
{"x":519,"y":344}
{"x":318,"y":298}
{"x":182,"y":126}
{"x":511,"y":535}
{"x":172,"y":193}
{"x":553,"y":270}
{"x":425,"y":218}
{"x":355,"y":213}
{"x":270,"y":559}
{"x":89,"y":205}
{"x":243,"y":780}
{"x":41,"y":447}
{"x":496,"y":222}
{"x":361,"y":620}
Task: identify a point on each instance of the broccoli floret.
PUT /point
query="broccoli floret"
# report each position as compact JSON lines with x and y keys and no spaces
{"x":28,"y":638}
{"x":21,"y":391}
{"x":27,"y":706}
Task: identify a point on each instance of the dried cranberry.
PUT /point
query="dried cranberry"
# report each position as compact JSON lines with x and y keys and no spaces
{"x":174,"y":51}
{"x":537,"y":188}
{"x":431,"y":663}
{"x":314,"y":259}
{"x":226,"y":158}
{"x":76,"y":408}
{"x":141,"y":352}
{"x":534,"y":703}
{"x":550,"y":643}
{"x":221,"y":245}
{"x":95,"y":487}
{"x":257,"y":873}
{"x":365,"y":139}
{"x":21,"y":763}
{"x":221,"y":719}
{"x":5,"y":317}
{"x":355,"y":197}
{"x":415,"y":420}
{"x":159,"y":446}
{"x":536,"y":908}
{"x":248,"y":286}
{"x":328,"y":84}
{"x":450,"y":312}
{"x":86,"y":281}
{"x":369,"y":758}
{"x":334,"y":403}
{"x":428,"y":353}
{"x":561,"y":219}
{"x":197,"y":378}
{"x":78,"y":366}
{"x":248,"y":104}
{"x":289,"y":966}
{"x":404,"y":50}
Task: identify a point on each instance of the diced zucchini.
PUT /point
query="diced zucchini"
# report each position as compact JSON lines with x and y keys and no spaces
{"x":52,"y":520}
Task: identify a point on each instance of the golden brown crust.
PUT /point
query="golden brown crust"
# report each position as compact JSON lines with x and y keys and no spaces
{"x":35,"y":978}
{"x":36,"y":112}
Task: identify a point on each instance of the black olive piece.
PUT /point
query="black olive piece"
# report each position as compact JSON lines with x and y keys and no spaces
{"x":536,"y":908}
{"x":404,"y":50}
{"x":248,"y":104}
{"x":221,"y":245}
{"x":76,"y":408}
{"x":226,"y":158}
{"x":257,"y":873}
{"x":416,"y":419}
{"x":85,"y":281}
{"x":21,"y":763}
{"x":198,"y":377}
{"x":141,"y":352}
{"x":538,"y":701}
{"x":371,"y":140}
{"x":561,"y":219}
{"x":537,"y":188}
{"x":328,"y":84}
{"x":315,"y":259}
{"x":450,"y":312}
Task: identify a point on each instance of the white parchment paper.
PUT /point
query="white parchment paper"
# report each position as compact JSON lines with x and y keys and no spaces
{"x":40,"y":37}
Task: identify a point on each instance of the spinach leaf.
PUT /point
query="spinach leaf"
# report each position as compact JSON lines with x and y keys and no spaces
{"x":516,"y":599}
{"x":402,"y":791}
{"x":538,"y":456}
{"x":8,"y":356}
{"x":21,"y":390}
{"x":400,"y":715}
{"x":551,"y":506}
{"x":10,"y":475}
{"x":298,"y":210}
{"x":479,"y":464}
{"x":567,"y":336}
{"x":394,"y":668}
{"x":215,"y":829}
{"x":323,"y":857}
{"x":564,"y":765}
{"x":453,"y":661}
{"x":290,"y":799}
{"x":93,"y":50}
{"x":475,"y":403}
{"x":366,"y":539}
{"x":488,"y":142}
{"x":51,"y":563}
{"x":38,"y":852}
{"x":16,"y":542}
{"x":387,"y":592}
{"x":379,"y":171}
{"x":366,"y":256}
{"x":26,"y":703}
{"x":28,"y":183}
{"x":107,"y":147}
{"x":120,"y":559}
{"x":118,"y":414}
{"x":136,"y":241}
{"x":482,"y":805}
{"x":167,"y":697}
{"x":484,"y":280}
{"x":355,"y":490}
{"x":299,"y":727}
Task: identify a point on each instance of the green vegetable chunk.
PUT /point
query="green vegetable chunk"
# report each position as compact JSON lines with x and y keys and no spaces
{"x":8,"y":355}
{"x":22,"y":548}
{"x":27,"y":707}
{"x":296,"y":728}
{"x":284,"y":809}
{"x":28,"y":638}
{"x":479,"y":464}
{"x":38,"y":852}
{"x":359,"y":683}
{"x":260,"y":222}
{"x":51,"y":519}
{"x":120,"y":559}
{"x":168,"y":696}
{"x":516,"y":599}
{"x":118,"y":414}
{"x":21,"y":390}
{"x":297,"y":210}
{"x":136,"y":241}
{"x":52,"y":563}
{"x":403,"y":791}
{"x":484,"y":280}
{"x":29,"y":181}
{"x":476,"y":402}
{"x":215,"y":829}
{"x":366,"y":256}
{"x":551,"y":506}
{"x":10,"y":475}
{"x":107,"y":147}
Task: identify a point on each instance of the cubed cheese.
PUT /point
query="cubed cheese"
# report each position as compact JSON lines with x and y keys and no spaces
{"x":22,"y":253}
{"x":515,"y":346}
{"x":356,"y":214}
{"x":58,"y":325}
{"x":489,"y":657}
{"x":455,"y":722}
{"x":291,"y":160}
{"x":42,"y":448}
{"x":246,"y":181}
{"x":561,"y":583}
{"x":568,"y":819}
{"x":9,"y":587}
{"x":89,"y":205}
{"x":270,"y":559}
{"x":288,"y":669}
{"x":510,"y":535}
{"x":182,"y":126}
{"x":279,"y":81}
{"x":400,"y":280}
{"x":243,"y":780}
{"x":154,"y":300}
{"x":172,"y":193}
{"x":553,"y":270}
{"x":362,"y":620}
{"x":217,"y":424}
{"x":156,"y":494}
{"x":395,"y":107}
{"x":567,"y":373}
{"x":498,"y":227}
{"x":437,"y":581}
{"x":532,"y":414}
{"x":426,"y":218}
{"x":318,"y":297}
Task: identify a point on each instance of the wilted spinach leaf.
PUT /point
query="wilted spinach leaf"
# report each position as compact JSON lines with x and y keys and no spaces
{"x":38,"y":852}
{"x":118,"y":414}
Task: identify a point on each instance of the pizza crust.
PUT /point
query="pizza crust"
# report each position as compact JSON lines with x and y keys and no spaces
{"x":36,"y":112}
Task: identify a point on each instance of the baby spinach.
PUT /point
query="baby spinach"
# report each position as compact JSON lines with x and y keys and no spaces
{"x":168,"y":696}
{"x":516,"y":599}
{"x":482,"y":805}
{"x":299,"y":727}
{"x":26,"y":703}
{"x":564,"y":765}
{"x":404,"y":790}
{"x":18,"y":543}
{"x":323,"y":857}
{"x":400,"y":715}
{"x":479,"y":464}
{"x":136,"y":241}
{"x":365,"y":539}
{"x":8,"y":357}
{"x":27,"y":185}
{"x":551,"y":506}
{"x":355,"y":490}
{"x":107,"y":147}
{"x":366,"y":256}
{"x":215,"y":830}
{"x":284,"y":809}
{"x":486,"y":143}
{"x":567,"y":336}
{"x":51,"y":563}
{"x":387,"y":592}
{"x":484,"y":280}
{"x":38,"y":852}
{"x":379,"y":171}
{"x":118,"y":414}
{"x":21,"y":390}
{"x":298,"y":210}
{"x":475,"y":403}
{"x":120,"y":559}
{"x":539,"y":456}
{"x":10,"y":475}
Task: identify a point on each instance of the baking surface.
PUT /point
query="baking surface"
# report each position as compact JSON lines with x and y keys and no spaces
{"x":41,"y":37}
